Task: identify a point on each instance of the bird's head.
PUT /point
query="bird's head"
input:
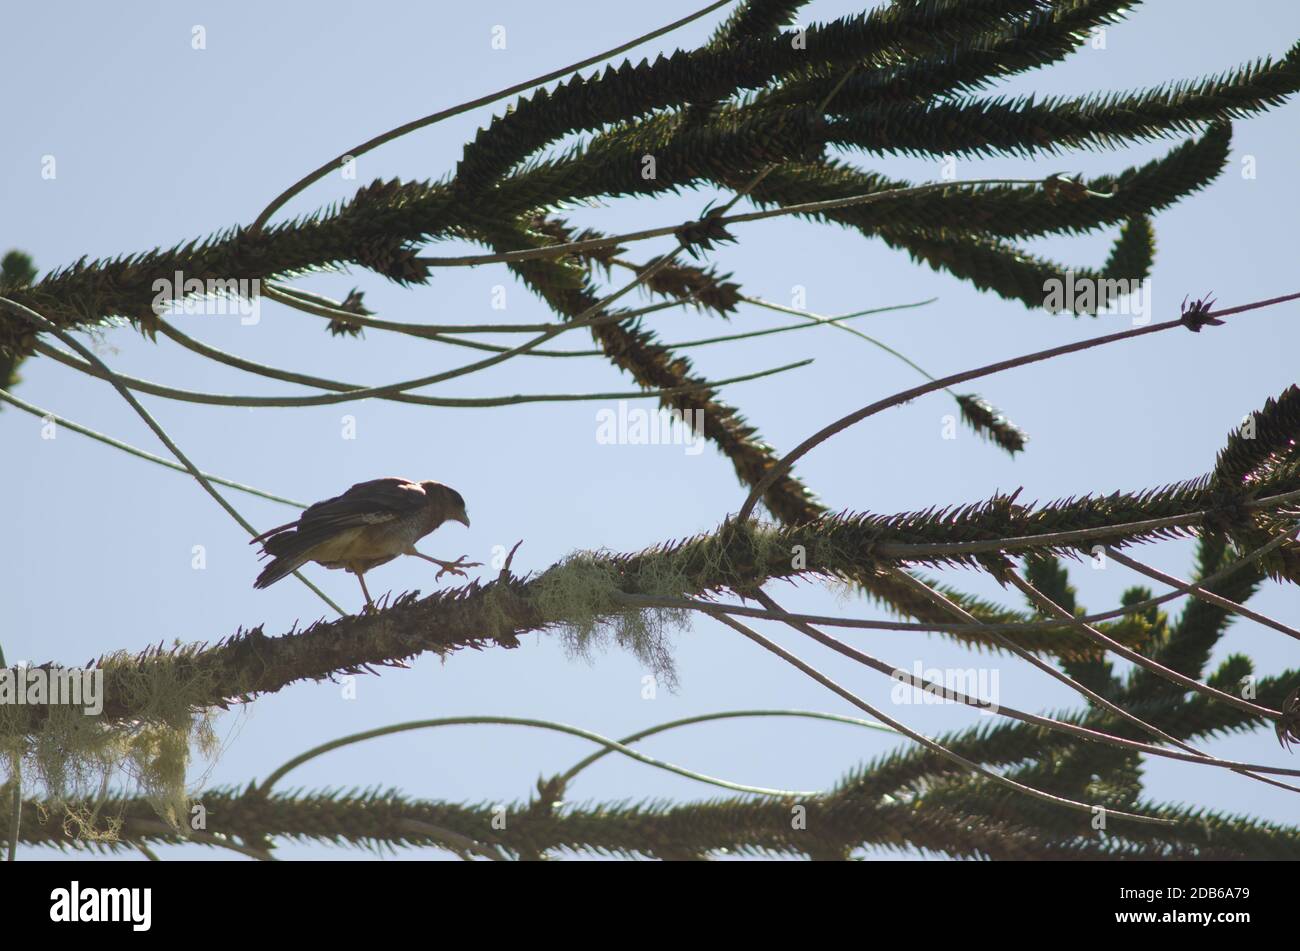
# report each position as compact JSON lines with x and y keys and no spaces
{"x":449,"y":501}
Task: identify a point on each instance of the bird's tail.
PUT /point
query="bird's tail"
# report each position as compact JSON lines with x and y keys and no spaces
{"x":272,"y":531}
{"x":288,"y":554}
{"x":278,"y":569}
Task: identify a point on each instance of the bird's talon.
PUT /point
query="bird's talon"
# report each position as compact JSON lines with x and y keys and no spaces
{"x":457,"y":567}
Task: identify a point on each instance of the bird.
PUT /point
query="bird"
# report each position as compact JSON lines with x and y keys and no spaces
{"x":367,"y":526}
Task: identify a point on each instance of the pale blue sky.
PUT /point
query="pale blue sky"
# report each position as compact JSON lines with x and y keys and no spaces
{"x":157,"y":143}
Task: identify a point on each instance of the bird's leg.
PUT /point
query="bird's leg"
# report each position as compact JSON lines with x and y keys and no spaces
{"x":370,"y":604}
{"x":448,"y":567}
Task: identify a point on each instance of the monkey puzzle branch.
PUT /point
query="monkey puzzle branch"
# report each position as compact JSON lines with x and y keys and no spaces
{"x":848,"y":818}
{"x":584,"y":593}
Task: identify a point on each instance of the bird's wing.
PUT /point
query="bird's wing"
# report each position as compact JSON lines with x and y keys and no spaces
{"x":323,"y":527}
{"x":366,"y":503}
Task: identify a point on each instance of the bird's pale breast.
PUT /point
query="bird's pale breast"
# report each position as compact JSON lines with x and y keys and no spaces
{"x":372,"y":544}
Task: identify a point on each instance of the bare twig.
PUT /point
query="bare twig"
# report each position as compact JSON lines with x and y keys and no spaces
{"x":451,"y":840}
{"x":784,"y":464}
{"x":163,"y":830}
{"x":389,"y":391}
{"x":1209,"y":596}
{"x":918,"y":737}
{"x":568,"y":775}
{"x":128,"y":448}
{"x":16,"y":828}
{"x":612,"y":745}
{"x":1051,"y":607}
{"x":323,"y":306}
{"x":1133,"y":656}
{"x":1049,"y":723}
{"x":49,"y":327}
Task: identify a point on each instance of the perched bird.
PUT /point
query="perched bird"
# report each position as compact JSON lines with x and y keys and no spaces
{"x":368,"y":525}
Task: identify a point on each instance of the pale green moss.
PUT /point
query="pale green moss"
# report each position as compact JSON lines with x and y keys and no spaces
{"x":76,"y":757}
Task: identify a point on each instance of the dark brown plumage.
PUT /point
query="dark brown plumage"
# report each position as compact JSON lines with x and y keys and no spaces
{"x":368,"y":525}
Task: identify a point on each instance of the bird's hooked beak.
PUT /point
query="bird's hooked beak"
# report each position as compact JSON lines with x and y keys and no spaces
{"x":461,"y":517}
